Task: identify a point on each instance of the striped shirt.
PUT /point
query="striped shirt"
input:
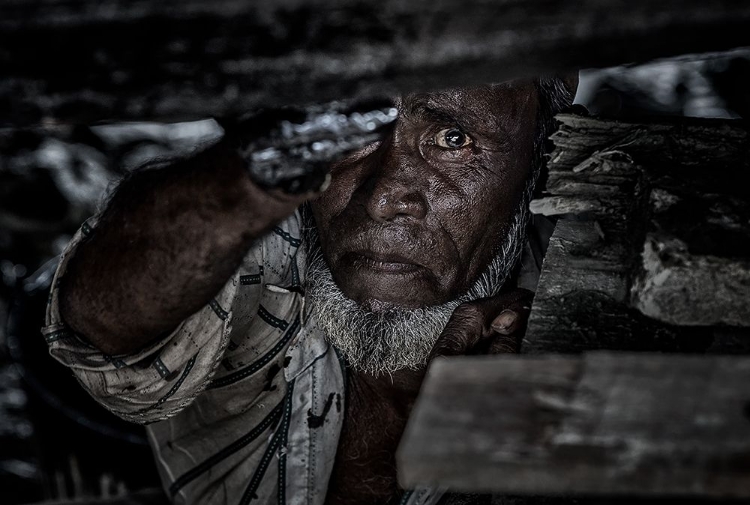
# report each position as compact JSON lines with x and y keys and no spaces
{"x":244,"y":401}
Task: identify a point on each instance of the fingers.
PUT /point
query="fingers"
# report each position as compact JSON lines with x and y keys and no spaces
{"x":504,"y":344}
{"x":489,"y":326}
{"x":464,"y":331}
{"x":509,"y":327}
{"x":506,"y":323}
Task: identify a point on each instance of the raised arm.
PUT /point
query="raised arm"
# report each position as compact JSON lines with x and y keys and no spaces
{"x":167,"y":242}
{"x":172,"y":235}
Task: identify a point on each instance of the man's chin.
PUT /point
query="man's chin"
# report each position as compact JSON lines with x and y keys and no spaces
{"x":374,"y":335}
{"x":382,"y":303}
{"x":379,"y":306}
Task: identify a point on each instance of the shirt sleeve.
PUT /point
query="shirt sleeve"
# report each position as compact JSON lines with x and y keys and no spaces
{"x":163,"y":378}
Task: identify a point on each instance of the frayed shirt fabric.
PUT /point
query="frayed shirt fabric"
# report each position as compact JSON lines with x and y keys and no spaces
{"x":244,"y":401}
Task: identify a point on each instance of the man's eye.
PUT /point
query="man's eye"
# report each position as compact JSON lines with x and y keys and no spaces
{"x":452,"y":138}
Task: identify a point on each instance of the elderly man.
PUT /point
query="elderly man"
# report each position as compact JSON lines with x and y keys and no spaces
{"x":274,"y":347}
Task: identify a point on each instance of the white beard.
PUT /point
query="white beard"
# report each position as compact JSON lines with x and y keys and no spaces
{"x":382,"y":342}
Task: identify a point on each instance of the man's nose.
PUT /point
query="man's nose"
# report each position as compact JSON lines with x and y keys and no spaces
{"x":394,"y":188}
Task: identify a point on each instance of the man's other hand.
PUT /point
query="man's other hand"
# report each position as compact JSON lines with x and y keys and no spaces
{"x":487,"y":326}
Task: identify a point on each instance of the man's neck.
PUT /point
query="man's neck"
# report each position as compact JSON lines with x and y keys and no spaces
{"x":401,"y":383}
{"x":377,"y":409}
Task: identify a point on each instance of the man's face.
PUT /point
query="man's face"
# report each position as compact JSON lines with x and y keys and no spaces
{"x":413,"y":220}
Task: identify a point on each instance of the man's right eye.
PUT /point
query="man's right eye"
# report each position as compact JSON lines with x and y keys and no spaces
{"x":452,"y":138}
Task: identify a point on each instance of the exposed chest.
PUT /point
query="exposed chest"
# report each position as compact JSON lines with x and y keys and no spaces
{"x":365,"y":468}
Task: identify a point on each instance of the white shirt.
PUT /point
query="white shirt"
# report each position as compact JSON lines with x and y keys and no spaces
{"x":244,"y":401}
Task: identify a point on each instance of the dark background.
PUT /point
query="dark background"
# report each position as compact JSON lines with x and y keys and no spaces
{"x":55,"y":442}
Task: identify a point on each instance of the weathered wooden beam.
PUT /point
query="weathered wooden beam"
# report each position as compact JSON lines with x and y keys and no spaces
{"x":284,"y":148}
{"x":605,"y":423}
{"x":652,"y":245}
{"x":94,"y":60}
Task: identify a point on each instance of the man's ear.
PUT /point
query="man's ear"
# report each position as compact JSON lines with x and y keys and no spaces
{"x":571,"y":81}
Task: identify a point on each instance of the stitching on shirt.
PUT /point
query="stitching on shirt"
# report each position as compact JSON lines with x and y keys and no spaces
{"x":235,"y":446}
{"x":58,"y":335}
{"x":188,"y":367}
{"x":138,"y":417}
{"x":86,"y":229}
{"x":296,"y":285}
{"x":295,"y":273}
{"x":285,"y":437}
{"x":117,"y":362}
{"x":295,"y":242}
{"x":214,"y":365}
{"x":246,"y":280}
{"x":221,"y":313}
{"x":250,"y":492}
{"x":270,"y":319}
{"x":161,"y":368}
{"x":260,"y":363}
{"x":313,"y":432}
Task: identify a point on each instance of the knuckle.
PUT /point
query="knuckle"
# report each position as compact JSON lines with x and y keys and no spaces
{"x":504,"y":344}
{"x":468,"y":312}
{"x":447,"y":345}
{"x":451,"y":341}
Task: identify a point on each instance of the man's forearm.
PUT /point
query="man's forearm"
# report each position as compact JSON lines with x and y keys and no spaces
{"x":168,"y":241}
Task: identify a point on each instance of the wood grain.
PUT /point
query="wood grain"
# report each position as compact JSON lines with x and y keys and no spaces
{"x":604,"y":423}
{"x":651,"y":247}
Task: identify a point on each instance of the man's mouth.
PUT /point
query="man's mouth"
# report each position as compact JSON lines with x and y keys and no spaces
{"x":382,"y":263}
{"x":379,"y":276}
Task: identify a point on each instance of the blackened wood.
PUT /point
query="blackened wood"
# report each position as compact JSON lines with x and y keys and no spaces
{"x":91,"y":60}
{"x":652,"y":247}
{"x":604,"y":423}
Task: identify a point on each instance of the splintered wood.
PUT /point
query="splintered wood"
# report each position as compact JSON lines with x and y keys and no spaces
{"x":604,"y":423}
{"x":651,"y":251}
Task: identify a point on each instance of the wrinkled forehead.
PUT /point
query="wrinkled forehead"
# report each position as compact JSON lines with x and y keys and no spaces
{"x":509,"y":106}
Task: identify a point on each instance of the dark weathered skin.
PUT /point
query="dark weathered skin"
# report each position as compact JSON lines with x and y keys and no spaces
{"x":154,"y":257}
{"x":404,"y":222}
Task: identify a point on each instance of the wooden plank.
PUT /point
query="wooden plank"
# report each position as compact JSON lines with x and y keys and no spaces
{"x":686,"y":289}
{"x":651,"y":250}
{"x":604,"y":423}
{"x":93,"y":60}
